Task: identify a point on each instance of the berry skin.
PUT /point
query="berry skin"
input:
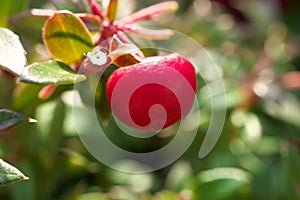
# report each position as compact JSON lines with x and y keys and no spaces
{"x":168,"y":81}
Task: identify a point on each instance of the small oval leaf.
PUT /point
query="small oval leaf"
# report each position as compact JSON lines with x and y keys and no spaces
{"x":50,"y":72}
{"x":10,"y":118}
{"x":9,"y":174}
{"x":66,"y":37}
{"x":12,"y":53}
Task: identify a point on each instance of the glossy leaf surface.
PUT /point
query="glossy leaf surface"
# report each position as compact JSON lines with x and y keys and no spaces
{"x":50,"y":72}
{"x":66,"y":37}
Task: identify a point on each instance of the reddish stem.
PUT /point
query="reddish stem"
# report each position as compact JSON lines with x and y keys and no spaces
{"x":150,"y":12}
{"x":144,"y":32}
{"x":96,"y":9}
{"x":108,"y":31}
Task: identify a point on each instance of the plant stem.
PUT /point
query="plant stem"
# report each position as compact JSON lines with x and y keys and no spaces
{"x":96,"y":9}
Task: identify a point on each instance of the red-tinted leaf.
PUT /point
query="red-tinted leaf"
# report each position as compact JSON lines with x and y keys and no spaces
{"x":10,"y":118}
{"x":66,"y":37}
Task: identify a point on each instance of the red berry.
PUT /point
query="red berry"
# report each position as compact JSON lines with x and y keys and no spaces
{"x":169,"y":81}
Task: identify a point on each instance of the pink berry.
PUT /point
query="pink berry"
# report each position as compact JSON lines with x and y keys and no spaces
{"x":168,"y":81}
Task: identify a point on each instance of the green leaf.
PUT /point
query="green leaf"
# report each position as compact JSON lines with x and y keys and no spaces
{"x":66,"y":37}
{"x":91,"y":196}
{"x":221,"y":183}
{"x":9,"y":8}
{"x":9,"y":174}
{"x":12,"y":53}
{"x":51,"y":117}
{"x":10,"y":118}
{"x":112,"y":10}
{"x":50,"y":72}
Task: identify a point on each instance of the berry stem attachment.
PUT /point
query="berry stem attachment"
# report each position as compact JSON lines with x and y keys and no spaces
{"x":46,"y":91}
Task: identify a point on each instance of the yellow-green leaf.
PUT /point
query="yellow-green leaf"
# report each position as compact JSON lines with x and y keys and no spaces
{"x":66,"y":37}
{"x":112,"y":10}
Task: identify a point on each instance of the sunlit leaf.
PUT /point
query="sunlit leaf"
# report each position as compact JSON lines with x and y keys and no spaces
{"x":12,"y":53}
{"x":66,"y":37}
{"x":10,"y":118}
{"x":50,"y":72}
{"x":9,"y":174}
{"x":220,"y":183}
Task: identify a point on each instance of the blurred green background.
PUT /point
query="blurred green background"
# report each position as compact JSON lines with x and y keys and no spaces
{"x":256,"y":45}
